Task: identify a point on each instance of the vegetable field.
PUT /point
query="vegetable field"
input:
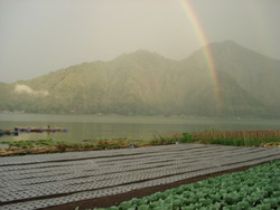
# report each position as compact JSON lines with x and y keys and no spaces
{"x":66,"y":180}
{"x":256,"y":188}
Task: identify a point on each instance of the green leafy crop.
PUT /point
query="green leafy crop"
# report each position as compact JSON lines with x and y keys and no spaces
{"x":256,"y":188}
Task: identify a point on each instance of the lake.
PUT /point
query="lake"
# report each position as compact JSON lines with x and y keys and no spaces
{"x":89,"y":127}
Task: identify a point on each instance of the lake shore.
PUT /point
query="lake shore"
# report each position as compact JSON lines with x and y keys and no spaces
{"x":259,"y":138}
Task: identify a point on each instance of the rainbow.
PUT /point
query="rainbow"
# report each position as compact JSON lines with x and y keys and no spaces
{"x":202,"y":38}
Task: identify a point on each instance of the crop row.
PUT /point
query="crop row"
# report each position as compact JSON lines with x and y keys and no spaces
{"x":256,"y":188}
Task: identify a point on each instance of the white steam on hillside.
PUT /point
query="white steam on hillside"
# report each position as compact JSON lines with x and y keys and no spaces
{"x":25,"y":89}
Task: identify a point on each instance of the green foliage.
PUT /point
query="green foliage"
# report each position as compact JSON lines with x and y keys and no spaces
{"x":30,"y":143}
{"x":234,"y":138}
{"x":49,"y":145}
{"x":239,"y":138}
{"x":187,"y":138}
{"x":149,"y":84}
{"x":256,"y":188}
{"x":160,"y":140}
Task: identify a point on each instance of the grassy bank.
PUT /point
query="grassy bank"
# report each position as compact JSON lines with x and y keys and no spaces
{"x":52,"y":146}
{"x":267,"y":138}
{"x":234,"y":138}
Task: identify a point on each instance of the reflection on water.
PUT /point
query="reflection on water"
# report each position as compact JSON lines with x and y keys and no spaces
{"x":83,"y":127}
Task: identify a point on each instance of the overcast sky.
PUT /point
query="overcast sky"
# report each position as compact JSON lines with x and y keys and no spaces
{"x":39,"y":36}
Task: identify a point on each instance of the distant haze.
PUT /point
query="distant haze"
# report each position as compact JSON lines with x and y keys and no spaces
{"x":246,"y":84}
{"x":39,"y":36}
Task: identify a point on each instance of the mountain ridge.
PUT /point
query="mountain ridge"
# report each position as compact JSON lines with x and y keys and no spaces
{"x":144,"y":82}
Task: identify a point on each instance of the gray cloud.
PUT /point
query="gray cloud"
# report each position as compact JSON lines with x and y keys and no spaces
{"x":41,"y":36}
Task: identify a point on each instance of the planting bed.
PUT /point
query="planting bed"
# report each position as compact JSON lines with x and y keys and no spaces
{"x":258,"y":188}
{"x":45,"y":181}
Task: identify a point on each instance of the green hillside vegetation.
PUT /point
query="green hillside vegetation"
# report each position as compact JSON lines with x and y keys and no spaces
{"x":147,"y":83}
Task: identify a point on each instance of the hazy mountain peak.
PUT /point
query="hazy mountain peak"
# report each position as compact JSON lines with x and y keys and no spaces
{"x":142,"y":54}
{"x":231,"y":48}
{"x":229,"y":43}
{"x":144,"y":82}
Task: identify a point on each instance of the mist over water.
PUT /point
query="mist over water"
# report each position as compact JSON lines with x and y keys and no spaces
{"x":92,"y":127}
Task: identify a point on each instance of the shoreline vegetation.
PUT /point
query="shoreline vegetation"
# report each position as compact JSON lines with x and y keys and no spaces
{"x":258,"y":138}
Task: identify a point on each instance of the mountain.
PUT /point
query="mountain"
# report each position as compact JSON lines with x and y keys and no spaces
{"x":246,"y":83}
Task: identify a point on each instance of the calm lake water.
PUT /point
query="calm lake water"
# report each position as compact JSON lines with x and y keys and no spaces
{"x":89,"y":127}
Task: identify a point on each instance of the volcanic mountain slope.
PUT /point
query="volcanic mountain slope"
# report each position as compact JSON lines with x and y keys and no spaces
{"x":142,"y":82}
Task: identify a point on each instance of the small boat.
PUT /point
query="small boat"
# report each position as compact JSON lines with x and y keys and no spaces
{"x":40,"y":130}
{"x":8,"y":133}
